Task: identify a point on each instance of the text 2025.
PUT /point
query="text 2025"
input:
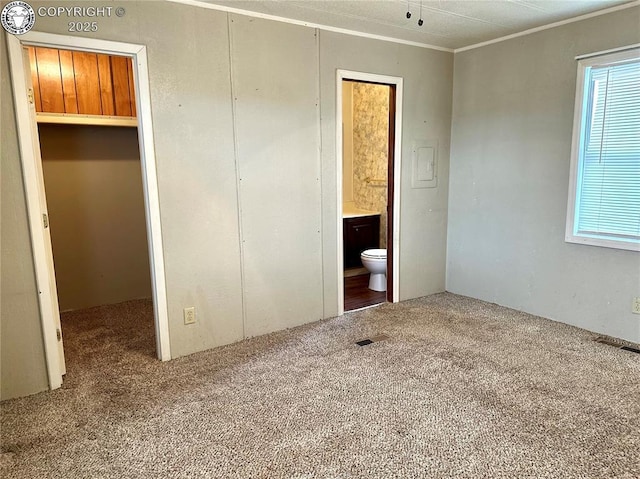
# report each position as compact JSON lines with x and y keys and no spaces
{"x":83,"y":26}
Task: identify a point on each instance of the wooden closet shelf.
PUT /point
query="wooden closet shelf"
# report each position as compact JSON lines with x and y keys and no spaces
{"x":76,"y":119}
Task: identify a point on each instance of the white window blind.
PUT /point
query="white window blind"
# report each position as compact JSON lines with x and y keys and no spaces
{"x":607,"y":189}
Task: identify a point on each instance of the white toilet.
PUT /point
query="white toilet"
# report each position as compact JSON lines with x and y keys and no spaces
{"x":375,"y":260}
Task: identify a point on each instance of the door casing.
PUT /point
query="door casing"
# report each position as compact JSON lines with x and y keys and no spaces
{"x":396,"y":82}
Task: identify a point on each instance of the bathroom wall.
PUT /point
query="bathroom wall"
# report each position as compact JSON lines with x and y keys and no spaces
{"x":93,"y":183}
{"x":371,"y":150}
{"x":347,"y":141}
{"x":511,"y":149}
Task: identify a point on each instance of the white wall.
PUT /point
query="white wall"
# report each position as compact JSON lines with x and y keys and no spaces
{"x":276,"y":95}
{"x":511,"y":144}
{"x":190,"y":80}
{"x":244,"y":122}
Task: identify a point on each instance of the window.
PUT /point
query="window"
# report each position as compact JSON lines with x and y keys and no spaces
{"x":604,"y":193}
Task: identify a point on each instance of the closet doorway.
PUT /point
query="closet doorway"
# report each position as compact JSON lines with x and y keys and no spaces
{"x":84,"y":123}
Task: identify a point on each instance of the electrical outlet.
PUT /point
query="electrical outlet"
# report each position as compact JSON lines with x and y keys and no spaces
{"x":635,"y":308}
{"x":189,"y":315}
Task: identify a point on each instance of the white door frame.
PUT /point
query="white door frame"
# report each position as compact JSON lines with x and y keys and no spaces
{"x":397,"y":157}
{"x":35,"y":194}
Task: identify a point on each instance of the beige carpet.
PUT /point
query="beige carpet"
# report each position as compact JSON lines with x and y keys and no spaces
{"x":461,"y":389}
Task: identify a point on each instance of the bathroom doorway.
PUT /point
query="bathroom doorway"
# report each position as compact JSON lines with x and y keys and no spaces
{"x":368,"y":147}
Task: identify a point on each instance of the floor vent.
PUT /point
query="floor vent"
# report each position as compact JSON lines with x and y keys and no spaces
{"x":617,"y":344}
{"x":629,"y":348}
{"x":373,"y":339}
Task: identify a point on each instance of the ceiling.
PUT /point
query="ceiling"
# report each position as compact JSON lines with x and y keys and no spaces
{"x":448,"y":24}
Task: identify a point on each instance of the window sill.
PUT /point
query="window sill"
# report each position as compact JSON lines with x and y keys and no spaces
{"x":604,"y":243}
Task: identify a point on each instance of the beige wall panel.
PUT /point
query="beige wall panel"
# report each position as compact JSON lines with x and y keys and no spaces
{"x":22,"y":366}
{"x":191,"y":103}
{"x":276,"y":89}
{"x":426,"y":116}
{"x":512,"y":129}
{"x":95,"y":200}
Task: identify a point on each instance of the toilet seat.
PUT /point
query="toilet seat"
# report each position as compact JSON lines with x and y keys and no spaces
{"x":375,"y":253}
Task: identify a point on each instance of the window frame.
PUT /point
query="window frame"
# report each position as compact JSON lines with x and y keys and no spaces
{"x":576,"y":144}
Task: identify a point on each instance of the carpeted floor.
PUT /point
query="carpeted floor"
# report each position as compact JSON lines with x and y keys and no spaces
{"x":461,"y":389}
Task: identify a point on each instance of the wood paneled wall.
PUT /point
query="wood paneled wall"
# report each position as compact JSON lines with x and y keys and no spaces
{"x":67,"y":81}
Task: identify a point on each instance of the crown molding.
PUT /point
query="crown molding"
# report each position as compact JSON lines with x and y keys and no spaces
{"x":328,"y":28}
{"x":579,"y":18}
{"x":345,"y":31}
